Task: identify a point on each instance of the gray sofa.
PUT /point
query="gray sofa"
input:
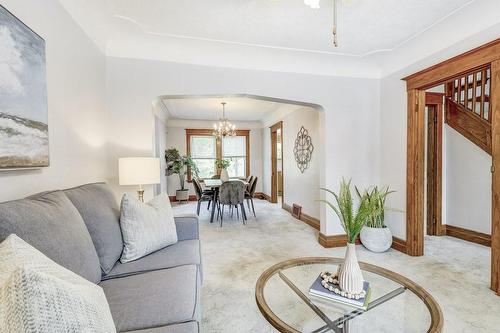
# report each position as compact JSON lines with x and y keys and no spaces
{"x":79,"y":229}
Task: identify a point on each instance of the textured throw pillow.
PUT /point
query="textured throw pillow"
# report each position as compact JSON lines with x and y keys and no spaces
{"x":38,"y":295}
{"x":146,"y":227}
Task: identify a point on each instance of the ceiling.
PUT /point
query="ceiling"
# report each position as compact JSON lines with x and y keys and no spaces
{"x":245,"y":109}
{"x":281,"y":35}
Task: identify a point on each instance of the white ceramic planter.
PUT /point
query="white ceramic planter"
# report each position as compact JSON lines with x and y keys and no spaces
{"x":350,"y":275}
{"x":224,"y":176}
{"x":182,"y":195}
{"x":376,"y":239}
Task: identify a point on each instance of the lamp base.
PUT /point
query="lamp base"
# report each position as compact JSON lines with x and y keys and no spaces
{"x":140,"y":194}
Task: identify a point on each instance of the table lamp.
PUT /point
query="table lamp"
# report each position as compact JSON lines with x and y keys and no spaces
{"x":139,"y":171}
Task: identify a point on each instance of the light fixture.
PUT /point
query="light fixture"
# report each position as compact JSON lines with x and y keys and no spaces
{"x":224,"y":127}
{"x":315,"y":5}
{"x":312,"y":3}
{"x":139,"y":171}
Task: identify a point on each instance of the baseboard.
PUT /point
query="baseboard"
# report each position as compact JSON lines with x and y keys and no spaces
{"x":334,"y":240}
{"x":263,"y":196}
{"x":191,"y":198}
{"x":398,"y":244}
{"x":312,"y":221}
{"x":468,"y":235}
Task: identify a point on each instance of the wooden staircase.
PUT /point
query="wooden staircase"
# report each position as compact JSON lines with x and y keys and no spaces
{"x":468,"y":109}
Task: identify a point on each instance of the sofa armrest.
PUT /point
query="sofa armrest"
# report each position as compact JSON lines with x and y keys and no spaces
{"x":187,"y":227}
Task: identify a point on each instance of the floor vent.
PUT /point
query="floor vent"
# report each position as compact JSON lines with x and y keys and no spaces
{"x":296,"y":211}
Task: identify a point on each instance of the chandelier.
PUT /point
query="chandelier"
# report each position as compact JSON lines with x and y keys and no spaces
{"x":315,"y":5}
{"x":224,"y":128}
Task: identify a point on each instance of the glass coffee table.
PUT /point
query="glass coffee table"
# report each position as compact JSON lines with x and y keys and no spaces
{"x":397,"y":304}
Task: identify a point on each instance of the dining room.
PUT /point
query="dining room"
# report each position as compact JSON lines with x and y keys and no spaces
{"x":236,"y":156}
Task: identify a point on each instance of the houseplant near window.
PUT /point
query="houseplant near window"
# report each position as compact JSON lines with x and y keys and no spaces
{"x":180,"y":165}
{"x":222,"y":166}
{"x":375,"y":235}
{"x":352,"y":220}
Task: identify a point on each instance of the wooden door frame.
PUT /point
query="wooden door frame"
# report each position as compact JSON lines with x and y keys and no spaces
{"x":488,"y":54}
{"x":434,"y":156}
{"x":274,"y":166}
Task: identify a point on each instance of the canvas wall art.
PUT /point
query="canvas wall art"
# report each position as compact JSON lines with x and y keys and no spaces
{"x":24,"y":134}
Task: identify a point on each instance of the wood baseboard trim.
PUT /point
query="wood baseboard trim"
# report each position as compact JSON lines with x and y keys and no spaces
{"x":468,"y":235}
{"x":262,"y":196}
{"x":398,"y":244}
{"x":191,"y":198}
{"x":334,"y":240}
{"x":312,"y":221}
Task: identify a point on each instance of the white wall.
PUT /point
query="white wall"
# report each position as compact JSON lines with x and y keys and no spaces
{"x":176,"y":137}
{"x":299,"y":188}
{"x":133,"y":84}
{"x":76,"y":103}
{"x":468,"y":184}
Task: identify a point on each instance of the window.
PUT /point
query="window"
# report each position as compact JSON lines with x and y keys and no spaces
{"x":204,"y":149}
{"x":234,"y":149}
{"x":203,"y":152}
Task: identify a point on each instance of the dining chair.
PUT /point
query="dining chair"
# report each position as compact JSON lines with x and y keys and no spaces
{"x":232,"y":194}
{"x":249,"y":182}
{"x":249,"y":194}
{"x":202,"y":195}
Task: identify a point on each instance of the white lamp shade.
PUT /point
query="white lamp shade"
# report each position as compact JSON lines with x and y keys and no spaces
{"x":139,"y":170}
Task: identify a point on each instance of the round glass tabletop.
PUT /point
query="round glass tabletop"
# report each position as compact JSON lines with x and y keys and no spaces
{"x":397,"y":304}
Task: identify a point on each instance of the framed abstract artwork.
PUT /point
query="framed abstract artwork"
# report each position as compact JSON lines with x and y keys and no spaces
{"x":24,"y":132}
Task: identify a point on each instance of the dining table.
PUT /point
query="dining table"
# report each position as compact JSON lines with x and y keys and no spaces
{"x":215,"y":184}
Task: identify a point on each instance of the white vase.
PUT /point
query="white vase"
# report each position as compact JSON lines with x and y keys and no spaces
{"x":349,"y":274}
{"x":224,"y":176}
{"x":376,"y":239}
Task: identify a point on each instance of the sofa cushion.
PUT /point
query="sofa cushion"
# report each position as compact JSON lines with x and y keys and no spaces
{"x":99,"y":209}
{"x":189,"y":327}
{"x":183,"y":253}
{"x":154,"y":299}
{"x":50,"y":223}
{"x":146,"y":227}
{"x":38,"y":295}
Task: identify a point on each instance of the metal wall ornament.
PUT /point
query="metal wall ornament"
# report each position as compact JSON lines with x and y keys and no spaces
{"x":303,"y":149}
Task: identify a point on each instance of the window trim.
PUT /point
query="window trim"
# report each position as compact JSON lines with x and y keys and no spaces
{"x":218,"y":145}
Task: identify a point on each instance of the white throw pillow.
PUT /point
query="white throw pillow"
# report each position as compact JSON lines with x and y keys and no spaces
{"x":146,"y":227}
{"x":38,"y":295}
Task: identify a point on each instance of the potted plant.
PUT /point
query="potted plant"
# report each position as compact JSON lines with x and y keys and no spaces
{"x":222,"y":166}
{"x":352,"y":220}
{"x":375,"y":235}
{"x":180,"y":165}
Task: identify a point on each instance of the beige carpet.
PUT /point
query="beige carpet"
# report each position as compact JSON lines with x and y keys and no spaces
{"x":455,"y":272}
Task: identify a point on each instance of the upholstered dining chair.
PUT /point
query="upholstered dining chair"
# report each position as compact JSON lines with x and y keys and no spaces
{"x":249,"y":194}
{"x":202,"y":195}
{"x":232,"y":194}
{"x":249,"y":182}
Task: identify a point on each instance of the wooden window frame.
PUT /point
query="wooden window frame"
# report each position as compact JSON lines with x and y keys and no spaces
{"x":218,"y":145}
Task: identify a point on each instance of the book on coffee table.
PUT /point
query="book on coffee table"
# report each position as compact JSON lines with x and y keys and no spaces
{"x":318,"y":290}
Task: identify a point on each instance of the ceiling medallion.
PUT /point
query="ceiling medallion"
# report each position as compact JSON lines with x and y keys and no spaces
{"x":315,"y":5}
{"x":303,"y":149}
{"x":224,"y":127}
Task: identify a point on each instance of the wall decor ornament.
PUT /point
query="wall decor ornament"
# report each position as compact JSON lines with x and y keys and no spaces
{"x":303,"y":149}
{"x":24,"y":133}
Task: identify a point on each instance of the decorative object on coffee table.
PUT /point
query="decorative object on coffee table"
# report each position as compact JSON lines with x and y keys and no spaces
{"x":352,"y":220}
{"x":222,"y":166}
{"x":375,"y":235}
{"x":303,"y":149}
{"x":24,"y":133}
{"x":180,"y":165}
{"x":282,"y":296}
{"x":139,"y":171}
